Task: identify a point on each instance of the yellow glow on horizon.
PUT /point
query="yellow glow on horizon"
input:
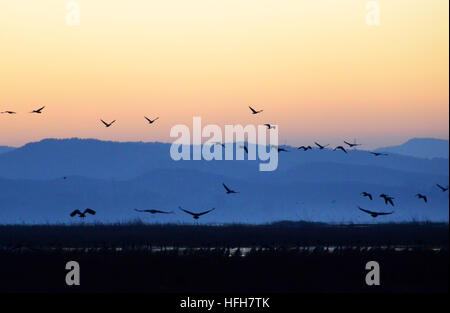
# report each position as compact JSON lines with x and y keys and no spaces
{"x":315,"y":68}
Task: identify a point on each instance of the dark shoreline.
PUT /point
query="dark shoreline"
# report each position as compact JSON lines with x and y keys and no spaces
{"x":212,"y":271}
{"x":286,"y":234}
{"x":285,"y":257}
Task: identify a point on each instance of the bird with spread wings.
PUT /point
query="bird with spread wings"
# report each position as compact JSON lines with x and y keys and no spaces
{"x":375,"y":214}
{"x":153,"y":211}
{"x":82,"y":214}
{"x":196,"y":216}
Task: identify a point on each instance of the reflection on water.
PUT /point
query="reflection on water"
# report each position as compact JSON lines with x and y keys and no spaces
{"x":234,"y":251}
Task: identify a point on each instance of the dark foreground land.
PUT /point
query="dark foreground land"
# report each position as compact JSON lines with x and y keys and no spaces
{"x":282,"y":257}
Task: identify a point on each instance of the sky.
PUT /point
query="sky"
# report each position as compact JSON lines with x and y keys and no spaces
{"x":316,"y":68}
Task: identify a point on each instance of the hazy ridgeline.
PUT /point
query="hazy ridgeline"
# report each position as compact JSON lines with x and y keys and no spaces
{"x":421,"y":147}
{"x":114,"y":178}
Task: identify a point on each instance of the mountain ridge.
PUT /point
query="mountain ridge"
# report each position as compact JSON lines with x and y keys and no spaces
{"x":4,"y":149}
{"x":420,"y":147}
{"x":42,"y":182}
{"x":50,"y":159}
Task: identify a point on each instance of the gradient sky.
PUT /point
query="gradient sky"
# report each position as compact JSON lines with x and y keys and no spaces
{"x":315,"y":67}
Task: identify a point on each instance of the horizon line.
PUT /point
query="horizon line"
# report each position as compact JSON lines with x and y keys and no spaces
{"x":190,"y":144}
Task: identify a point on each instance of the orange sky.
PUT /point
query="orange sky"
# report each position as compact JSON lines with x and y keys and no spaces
{"x":315,"y":67}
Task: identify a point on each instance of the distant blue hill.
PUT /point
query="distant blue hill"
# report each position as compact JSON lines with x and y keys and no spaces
{"x":115,"y":178}
{"x":421,"y":148}
{"x":5,"y":149}
{"x":54,"y":158}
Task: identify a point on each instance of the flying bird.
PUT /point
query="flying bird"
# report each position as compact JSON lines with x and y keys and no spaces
{"x":269,"y":126}
{"x":320,"y":146}
{"x":340,"y":148}
{"x":151,"y":121}
{"x":8,"y":112}
{"x":378,"y":153}
{"x":219,"y":144}
{"x":351,"y":145}
{"x":304,"y":148}
{"x":375,"y":214}
{"x":196,"y":216}
{"x":154,"y":211}
{"x":420,"y":196}
{"x":228,"y":189}
{"x":82,"y":214}
{"x":245,"y":148}
{"x":279,"y":149}
{"x":38,"y":111}
{"x":107,"y":124}
{"x":254,"y":111}
{"x":366,"y":194}
{"x":387,"y":199}
{"x":442,"y":188}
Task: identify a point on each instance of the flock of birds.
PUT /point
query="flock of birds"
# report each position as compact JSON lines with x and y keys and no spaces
{"x":196,"y":215}
{"x":38,"y":111}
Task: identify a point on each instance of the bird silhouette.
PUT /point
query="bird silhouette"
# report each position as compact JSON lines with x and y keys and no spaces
{"x":269,"y":126}
{"x":444,"y":189}
{"x":152,"y":211}
{"x":151,"y":121}
{"x":378,"y":153}
{"x":245,"y":148}
{"x":196,"y":216}
{"x":8,"y":112}
{"x":366,"y":194}
{"x":38,"y":111}
{"x":351,"y":145}
{"x":228,"y":189}
{"x":107,"y":124}
{"x":420,"y":196}
{"x":304,"y":148}
{"x":219,"y":144}
{"x":387,"y":199}
{"x":375,"y":214}
{"x":82,"y":214}
{"x":320,"y":146}
{"x":278,"y":149}
{"x":340,"y":148}
{"x":254,"y":111}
